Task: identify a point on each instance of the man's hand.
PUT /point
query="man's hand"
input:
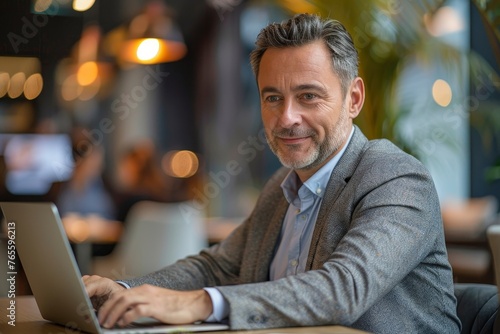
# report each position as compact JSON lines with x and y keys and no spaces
{"x":168,"y":306}
{"x":100,"y":289}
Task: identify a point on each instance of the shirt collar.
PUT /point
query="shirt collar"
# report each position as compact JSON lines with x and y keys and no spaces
{"x":317,"y":182}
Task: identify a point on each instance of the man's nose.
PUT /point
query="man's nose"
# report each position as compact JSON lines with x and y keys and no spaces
{"x":290,"y":115}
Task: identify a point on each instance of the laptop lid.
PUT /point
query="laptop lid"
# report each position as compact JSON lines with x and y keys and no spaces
{"x":49,"y":264}
{"x":53,"y":274}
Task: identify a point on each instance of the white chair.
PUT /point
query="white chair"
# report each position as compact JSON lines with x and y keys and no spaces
{"x":156,"y":235}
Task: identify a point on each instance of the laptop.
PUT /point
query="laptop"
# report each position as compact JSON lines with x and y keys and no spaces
{"x":55,"y":280}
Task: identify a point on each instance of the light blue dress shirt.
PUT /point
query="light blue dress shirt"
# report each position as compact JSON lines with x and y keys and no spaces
{"x":296,"y":233}
{"x":298,"y":226}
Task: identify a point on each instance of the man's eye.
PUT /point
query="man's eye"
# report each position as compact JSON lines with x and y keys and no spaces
{"x":272,"y":98}
{"x":308,"y":96}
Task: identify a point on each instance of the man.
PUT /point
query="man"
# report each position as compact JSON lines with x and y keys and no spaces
{"x":349,"y":232}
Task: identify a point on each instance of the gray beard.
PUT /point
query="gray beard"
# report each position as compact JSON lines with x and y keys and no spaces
{"x":321,"y":152}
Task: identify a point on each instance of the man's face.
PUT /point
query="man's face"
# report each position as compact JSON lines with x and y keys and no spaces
{"x":302,"y":106}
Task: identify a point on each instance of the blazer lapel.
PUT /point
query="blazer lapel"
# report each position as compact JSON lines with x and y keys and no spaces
{"x":269,"y":242}
{"x":338,"y":180}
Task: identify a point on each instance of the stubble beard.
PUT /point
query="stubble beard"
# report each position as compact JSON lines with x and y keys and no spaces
{"x":319,"y":151}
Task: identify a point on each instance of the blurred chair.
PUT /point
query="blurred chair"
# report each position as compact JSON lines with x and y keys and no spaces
{"x":157,"y":235}
{"x":477,"y":307}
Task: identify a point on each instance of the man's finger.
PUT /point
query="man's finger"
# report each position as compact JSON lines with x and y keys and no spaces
{"x":134,"y":313}
{"x":116,"y":306}
{"x":94,"y":285}
{"x":99,"y":289}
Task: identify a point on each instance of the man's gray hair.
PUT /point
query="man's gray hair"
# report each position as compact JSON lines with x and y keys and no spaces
{"x":306,"y":28}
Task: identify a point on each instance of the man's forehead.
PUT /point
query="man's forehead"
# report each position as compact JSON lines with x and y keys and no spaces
{"x":296,"y":74}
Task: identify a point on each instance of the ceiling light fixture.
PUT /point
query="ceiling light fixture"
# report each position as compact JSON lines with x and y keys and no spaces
{"x":152,"y":37}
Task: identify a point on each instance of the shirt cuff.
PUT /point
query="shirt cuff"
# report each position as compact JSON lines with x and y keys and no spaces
{"x":219,"y":304}
{"x":123,"y":284}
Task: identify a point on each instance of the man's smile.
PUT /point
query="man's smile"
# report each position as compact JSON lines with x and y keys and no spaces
{"x":292,"y":140}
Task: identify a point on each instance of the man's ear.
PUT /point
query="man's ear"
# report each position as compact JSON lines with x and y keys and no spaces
{"x":356,"y":97}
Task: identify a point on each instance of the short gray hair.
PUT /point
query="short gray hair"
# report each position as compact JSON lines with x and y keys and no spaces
{"x":306,"y":28}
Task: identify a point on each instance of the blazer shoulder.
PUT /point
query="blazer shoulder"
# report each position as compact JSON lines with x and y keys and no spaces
{"x":382,"y":161}
{"x":382,"y":154}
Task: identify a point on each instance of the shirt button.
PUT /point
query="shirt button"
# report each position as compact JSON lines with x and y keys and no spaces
{"x":318,"y":191}
{"x":297,"y":211}
{"x":294,"y":263}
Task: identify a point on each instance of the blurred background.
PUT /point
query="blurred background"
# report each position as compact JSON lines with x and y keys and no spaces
{"x":107,"y":103}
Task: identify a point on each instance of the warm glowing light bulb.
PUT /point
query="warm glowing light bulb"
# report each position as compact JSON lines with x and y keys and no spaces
{"x":182,"y":164}
{"x":148,"y":49}
{"x":33,"y":86}
{"x":441,"y":92}
{"x":82,"y":5}
{"x":16,"y":86}
{"x":4,"y":83}
{"x":87,"y":73}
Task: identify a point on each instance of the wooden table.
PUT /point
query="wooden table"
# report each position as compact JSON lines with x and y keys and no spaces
{"x":29,"y":320}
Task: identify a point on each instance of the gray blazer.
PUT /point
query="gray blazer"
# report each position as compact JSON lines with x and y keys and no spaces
{"x":377,"y":259}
